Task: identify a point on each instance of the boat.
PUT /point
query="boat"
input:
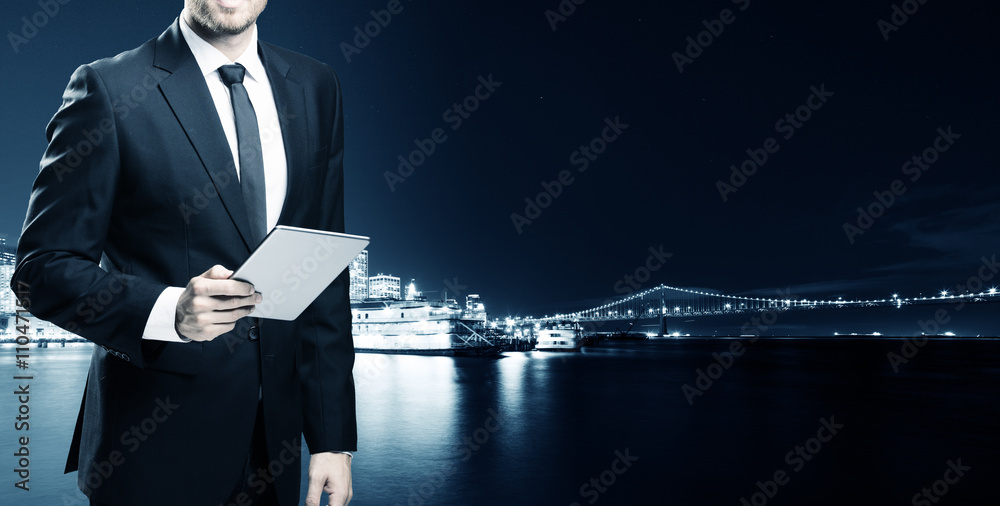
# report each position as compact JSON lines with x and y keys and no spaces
{"x":560,"y":336}
{"x":624,"y":334}
{"x":421,"y":327}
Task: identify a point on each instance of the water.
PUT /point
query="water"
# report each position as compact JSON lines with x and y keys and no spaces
{"x":536,"y":428}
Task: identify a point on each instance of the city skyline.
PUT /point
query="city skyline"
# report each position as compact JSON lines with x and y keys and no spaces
{"x":937,"y":313}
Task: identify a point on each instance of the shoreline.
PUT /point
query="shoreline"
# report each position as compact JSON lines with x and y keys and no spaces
{"x":58,"y":344}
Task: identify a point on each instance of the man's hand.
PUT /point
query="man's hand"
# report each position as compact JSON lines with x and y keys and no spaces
{"x":212,"y":303}
{"x":331,"y":473}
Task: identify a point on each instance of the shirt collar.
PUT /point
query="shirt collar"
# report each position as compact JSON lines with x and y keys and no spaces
{"x":210,"y":59}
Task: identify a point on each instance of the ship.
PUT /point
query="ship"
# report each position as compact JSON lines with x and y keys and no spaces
{"x":560,"y":336}
{"x":422,"y":327}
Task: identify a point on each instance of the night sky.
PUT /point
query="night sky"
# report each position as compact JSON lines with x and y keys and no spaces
{"x":657,"y":185}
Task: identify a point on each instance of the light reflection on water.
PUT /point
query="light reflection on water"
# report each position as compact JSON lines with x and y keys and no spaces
{"x":534,"y":428}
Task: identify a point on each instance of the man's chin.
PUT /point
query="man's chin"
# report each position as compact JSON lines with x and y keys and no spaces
{"x":235,"y":26}
{"x":227,"y":17}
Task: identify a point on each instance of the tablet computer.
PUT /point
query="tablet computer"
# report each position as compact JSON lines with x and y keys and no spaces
{"x":292,"y":266}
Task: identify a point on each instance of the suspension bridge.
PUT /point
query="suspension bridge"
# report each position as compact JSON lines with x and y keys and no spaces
{"x":673,"y":302}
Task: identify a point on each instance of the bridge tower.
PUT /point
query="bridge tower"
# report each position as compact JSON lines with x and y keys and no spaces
{"x":663,"y":316}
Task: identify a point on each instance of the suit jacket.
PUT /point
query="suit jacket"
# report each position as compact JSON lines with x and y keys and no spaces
{"x":137,"y":191}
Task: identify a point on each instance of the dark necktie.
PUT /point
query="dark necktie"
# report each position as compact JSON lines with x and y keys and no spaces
{"x":251,"y":156}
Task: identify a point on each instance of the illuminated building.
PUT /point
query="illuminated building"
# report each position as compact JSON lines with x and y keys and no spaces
{"x":383,"y":286}
{"x":359,"y":276}
{"x":8,"y":304}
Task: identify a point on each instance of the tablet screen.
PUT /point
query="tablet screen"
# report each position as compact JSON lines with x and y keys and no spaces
{"x":292,"y":266}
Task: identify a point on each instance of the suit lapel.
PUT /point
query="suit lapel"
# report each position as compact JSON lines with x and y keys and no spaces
{"x":289,"y":100}
{"x":188,"y":96}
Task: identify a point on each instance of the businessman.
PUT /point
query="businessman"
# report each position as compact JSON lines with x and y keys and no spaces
{"x":166,"y":166}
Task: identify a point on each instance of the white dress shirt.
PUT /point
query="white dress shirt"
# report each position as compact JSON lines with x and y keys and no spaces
{"x":160,"y":325}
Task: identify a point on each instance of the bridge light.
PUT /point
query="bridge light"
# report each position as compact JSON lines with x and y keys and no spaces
{"x":993,"y":291}
{"x":944,"y":293}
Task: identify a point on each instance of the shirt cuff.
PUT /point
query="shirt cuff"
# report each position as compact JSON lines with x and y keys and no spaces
{"x":348,"y":453}
{"x":160,"y":325}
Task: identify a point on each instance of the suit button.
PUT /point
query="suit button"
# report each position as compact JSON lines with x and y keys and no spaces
{"x":254,"y":333}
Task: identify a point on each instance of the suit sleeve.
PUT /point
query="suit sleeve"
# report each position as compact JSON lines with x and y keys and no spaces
{"x":330,"y":420}
{"x":65,"y":231}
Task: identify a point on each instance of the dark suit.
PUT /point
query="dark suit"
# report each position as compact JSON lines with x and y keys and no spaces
{"x":138,"y":172}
